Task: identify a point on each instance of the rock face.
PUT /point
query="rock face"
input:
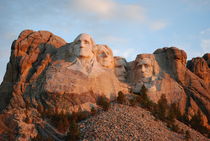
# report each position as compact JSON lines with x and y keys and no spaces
{"x":31,"y":53}
{"x":147,"y":72}
{"x":45,"y":72}
{"x":200,"y":67}
{"x":121,"y":67}
{"x":207,"y":58}
{"x":64,"y":77}
{"x":173,"y":62}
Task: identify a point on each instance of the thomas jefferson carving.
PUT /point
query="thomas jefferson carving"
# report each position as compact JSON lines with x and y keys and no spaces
{"x":105,"y":56}
{"x":120,"y":68}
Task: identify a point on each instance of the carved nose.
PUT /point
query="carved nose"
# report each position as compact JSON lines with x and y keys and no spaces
{"x":82,"y":45}
{"x":143,"y":69}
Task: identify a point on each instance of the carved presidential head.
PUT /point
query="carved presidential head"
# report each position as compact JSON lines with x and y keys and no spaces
{"x":83,"y":46}
{"x":120,"y":68}
{"x":146,"y":66}
{"x":104,"y":56}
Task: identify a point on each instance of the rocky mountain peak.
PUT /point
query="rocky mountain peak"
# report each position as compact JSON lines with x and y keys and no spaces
{"x":46,"y":72}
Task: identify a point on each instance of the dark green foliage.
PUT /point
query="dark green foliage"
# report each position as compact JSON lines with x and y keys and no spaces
{"x":103,"y":102}
{"x":184,"y":118}
{"x":93,"y":111}
{"x":79,"y":116}
{"x":133,"y":101}
{"x":74,"y":131}
{"x":144,"y":100}
{"x":121,"y":98}
{"x":59,"y":121}
{"x":173,"y":112}
{"x":162,"y":108}
{"x":40,"y":138}
{"x":82,"y":115}
{"x":174,"y":127}
{"x":143,"y":91}
{"x":197,"y":124}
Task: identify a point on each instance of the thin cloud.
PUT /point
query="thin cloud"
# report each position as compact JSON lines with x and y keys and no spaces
{"x":197,"y":4}
{"x":108,"y":9}
{"x":206,"y":31}
{"x":158,"y":25}
{"x":205,"y":45}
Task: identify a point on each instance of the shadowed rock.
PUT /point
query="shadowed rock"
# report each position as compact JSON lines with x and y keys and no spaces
{"x":45,"y":72}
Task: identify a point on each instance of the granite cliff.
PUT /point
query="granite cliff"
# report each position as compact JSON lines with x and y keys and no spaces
{"x":47,"y":73}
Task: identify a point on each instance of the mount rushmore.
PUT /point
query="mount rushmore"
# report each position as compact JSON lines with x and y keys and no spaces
{"x":45,"y":71}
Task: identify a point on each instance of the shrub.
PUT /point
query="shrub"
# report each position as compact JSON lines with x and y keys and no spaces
{"x":74,"y":132}
{"x":173,"y":127}
{"x":121,"y":98}
{"x":143,"y":99}
{"x":197,"y":123}
{"x":41,"y":138}
{"x":103,"y":102}
{"x":133,"y":101}
{"x":82,"y":115}
{"x":173,"y":112}
{"x":161,"y":108}
{"x":93,"y":111}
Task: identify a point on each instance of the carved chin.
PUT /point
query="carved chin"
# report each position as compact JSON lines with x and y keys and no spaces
{"x":146,"y":75}
{"x":85,"y":54}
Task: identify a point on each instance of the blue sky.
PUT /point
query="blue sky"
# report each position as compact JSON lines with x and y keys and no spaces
{"x":129,"y":27}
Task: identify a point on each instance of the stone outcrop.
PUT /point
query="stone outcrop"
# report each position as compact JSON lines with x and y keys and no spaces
{"x":173,"y":61}
{"x":200,"y":67}
{"x":45,"y":72}
{"x":57,"y":75}
{"x":30,"y":55}
{"x":207,"y":58}
{"x":121,"y":67}
{"x":147,"y":72}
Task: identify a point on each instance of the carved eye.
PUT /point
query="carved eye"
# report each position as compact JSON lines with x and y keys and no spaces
{"x":86,"y":42}
{"x":102,"y":54}
{"x":146,"y":65}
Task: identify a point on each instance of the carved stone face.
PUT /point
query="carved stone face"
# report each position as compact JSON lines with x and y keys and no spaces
{"x":145,"y":68}
{"x":105,"y":56}
{"x":120,"y":68}
{"x":83,"y":46}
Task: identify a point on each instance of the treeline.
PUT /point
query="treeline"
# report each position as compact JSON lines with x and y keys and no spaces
{"x":165,"y":112}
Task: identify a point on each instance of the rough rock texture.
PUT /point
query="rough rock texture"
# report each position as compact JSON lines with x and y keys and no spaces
{"x":173,"y":61}
{"x":120,"y":68}
{"x":207,"y":58}
{"x":147,"y":72}
{"x":200,"y":67}
{"x":45,"y":72}
{"x":30,"y":54}
{"x":131,"y":123}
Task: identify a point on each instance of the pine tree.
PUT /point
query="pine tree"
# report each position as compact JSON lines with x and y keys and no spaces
{"x":74,"y":132}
